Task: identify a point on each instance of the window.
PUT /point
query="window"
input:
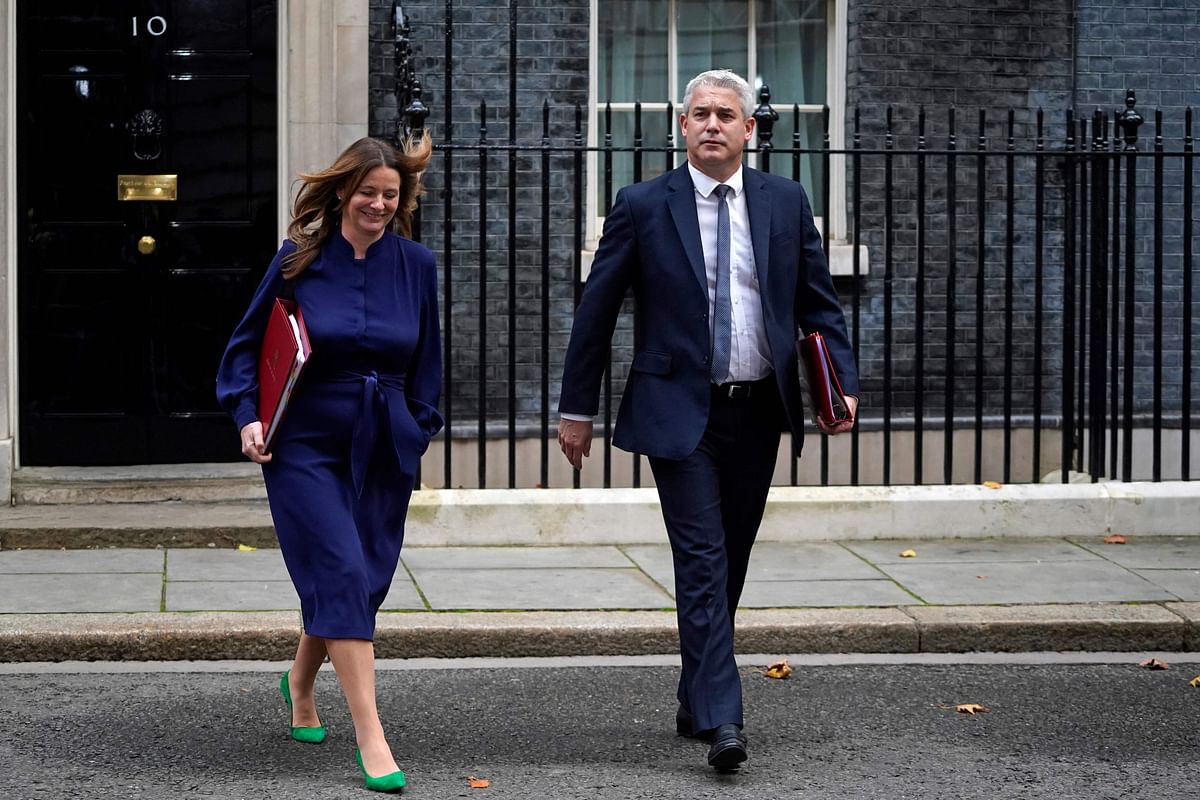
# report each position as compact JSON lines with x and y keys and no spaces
{"x":647,"y":50}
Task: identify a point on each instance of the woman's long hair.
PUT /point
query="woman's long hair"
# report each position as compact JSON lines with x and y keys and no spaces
{"x":318,"y":210}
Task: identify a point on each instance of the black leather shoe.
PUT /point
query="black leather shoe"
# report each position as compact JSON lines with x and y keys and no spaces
{"x":728,"y":749}
{"x":685,"y":725}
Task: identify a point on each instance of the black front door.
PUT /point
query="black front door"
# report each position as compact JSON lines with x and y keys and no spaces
{"x":146,"y":189}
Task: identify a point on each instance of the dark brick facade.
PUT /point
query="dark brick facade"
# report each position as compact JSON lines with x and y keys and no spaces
{"x":965,"y":55}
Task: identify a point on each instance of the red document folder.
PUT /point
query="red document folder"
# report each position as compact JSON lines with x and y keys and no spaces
{"x":824,"y":390}
{"x":285,"y":351}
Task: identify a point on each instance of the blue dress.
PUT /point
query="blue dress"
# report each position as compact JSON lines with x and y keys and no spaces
{"x":347,"y":452}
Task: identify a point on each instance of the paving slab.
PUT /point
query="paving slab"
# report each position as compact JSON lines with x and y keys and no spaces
{"x":1100,"y":627}
{"x":512,"y":557}
{"x":30,"y":562}
{"x":1024,"y":583}
{"x":1183,"y":583}
{"x":231,"y":596}
{"x":80,"y":593}
{"x":1141,"y":552}
{"x":967,"y":551}
{"x":823,"y":594}
{"x":544,"y":588}
{"x":225,"y":564}
{"x":769,"y":561}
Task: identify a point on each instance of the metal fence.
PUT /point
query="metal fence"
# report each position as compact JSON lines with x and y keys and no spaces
{"x":1028,"y":305}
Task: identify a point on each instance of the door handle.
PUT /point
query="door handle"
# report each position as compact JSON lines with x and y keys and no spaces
{"x":147,"y":245}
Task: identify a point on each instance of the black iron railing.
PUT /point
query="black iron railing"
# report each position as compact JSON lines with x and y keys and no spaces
{"x":1026,"y":305}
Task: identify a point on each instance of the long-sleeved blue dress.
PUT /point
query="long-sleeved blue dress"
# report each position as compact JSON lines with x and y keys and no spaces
{"x":347,"y":451}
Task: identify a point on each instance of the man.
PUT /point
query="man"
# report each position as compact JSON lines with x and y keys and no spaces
{"x":725,"y":262}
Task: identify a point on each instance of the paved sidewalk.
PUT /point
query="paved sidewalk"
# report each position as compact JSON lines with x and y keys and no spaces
{"x":851,"y":596}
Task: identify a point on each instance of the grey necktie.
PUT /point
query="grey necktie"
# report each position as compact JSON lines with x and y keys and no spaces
{"x":722,"y":312}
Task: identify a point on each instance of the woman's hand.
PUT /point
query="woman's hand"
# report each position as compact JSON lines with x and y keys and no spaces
{"x":252,"y":443}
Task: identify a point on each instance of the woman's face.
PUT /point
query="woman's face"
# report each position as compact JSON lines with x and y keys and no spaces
{"x":370,"y":207}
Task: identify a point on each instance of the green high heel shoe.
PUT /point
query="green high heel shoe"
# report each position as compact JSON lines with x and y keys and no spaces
{"x":392,"y":782}
{"x":313,"y":735}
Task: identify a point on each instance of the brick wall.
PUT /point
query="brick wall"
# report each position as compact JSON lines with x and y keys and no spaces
{"x":552,"y":65}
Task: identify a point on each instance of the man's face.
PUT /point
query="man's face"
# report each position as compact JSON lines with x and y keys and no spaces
{"x":716,"y":131}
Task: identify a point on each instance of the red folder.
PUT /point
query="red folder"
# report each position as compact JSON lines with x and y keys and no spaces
{"x":824,"y":390}
{"x":285,"y":351}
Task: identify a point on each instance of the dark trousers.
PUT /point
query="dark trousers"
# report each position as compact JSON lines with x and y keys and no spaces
{"x":712,"y":503}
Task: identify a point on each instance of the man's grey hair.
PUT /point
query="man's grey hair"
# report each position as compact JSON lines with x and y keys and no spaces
{"x":721,"y":79}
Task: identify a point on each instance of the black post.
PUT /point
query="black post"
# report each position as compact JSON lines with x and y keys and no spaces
{"x":1156,"y":352}
{"x":483,"y":307}
{"x":1185,"y":433}
{"x":980,"y":281}
{"x":889,"y":236}
{"x":545,"y":399}
{"x":512,"y":244}
{"x":1009,"y":233}
{"x":765,"y":118}
{"x":951,"y":296}
{"x":1039,"y":241}
{"x":856,"y":298}
{"x":1098,"y":286}
{"x":578,"y":150}
{"x":1130,"y":120}
{"x":919,"y":326}
{"x":1068,"y":294}
{"x":448,"y":246}
{"x":1114,"y":335}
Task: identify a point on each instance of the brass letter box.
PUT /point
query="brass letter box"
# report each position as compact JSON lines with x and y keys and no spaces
{"x":146,"y":187}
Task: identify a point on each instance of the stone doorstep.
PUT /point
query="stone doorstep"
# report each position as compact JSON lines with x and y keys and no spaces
{"x":632,"y":516}
{"x":1171,"y":627}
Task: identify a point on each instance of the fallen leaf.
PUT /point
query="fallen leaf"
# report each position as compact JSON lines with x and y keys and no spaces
{"x":478,"y":783}
{"x":981,"y":577}
{"x":246,"y":548}
{"x":780,"y":670}
{"x":1154,"y":663}
{"x":993,"y":484}
{"x":971,"y":708}
{"x":1195,"y":682}
{"x":908,"y":554}
{"x":1115,"y":538}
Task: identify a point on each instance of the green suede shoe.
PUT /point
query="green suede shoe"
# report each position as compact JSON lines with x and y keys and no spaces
{"x":392,"y":782}
{"x":307,"y":735}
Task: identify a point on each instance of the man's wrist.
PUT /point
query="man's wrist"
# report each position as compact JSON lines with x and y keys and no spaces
{"x":577,"y":417}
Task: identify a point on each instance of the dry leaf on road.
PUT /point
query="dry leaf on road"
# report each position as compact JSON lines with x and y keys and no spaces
{"x":1195,"y":682}
{"x":1154,"y":663}
{"x":246,"y":548}
{"x":908,"y":554}
{"x":778,"y":670}
{"x":971,"y":708}
{"x":1115,"y":538}
{"x":993,"y":484}
{"x":478,"y":783}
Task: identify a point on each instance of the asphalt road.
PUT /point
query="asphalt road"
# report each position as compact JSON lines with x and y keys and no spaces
{"x":838,"y":731}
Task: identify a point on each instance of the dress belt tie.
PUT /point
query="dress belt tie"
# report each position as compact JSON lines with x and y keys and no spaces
{"x":373,"y":419}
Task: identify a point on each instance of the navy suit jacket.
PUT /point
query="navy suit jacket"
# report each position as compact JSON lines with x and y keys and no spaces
{"x":651,"y":242}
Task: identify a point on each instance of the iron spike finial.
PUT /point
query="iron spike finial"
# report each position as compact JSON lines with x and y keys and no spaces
{"x":1130,"y":120}
{"x":765,"y":118}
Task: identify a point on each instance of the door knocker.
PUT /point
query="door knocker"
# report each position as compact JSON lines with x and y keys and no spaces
{"x":146,"y":129}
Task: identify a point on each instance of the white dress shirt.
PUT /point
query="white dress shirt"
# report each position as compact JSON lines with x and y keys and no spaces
{"x":749,"y":354}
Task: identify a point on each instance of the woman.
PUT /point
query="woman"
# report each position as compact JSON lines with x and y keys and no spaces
{"x":340,"y":471}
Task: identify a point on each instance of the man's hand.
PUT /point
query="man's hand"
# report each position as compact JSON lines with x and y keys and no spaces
{"x":252,"y":443}
{"x":838,"y":427}
{"x":575,"y":439}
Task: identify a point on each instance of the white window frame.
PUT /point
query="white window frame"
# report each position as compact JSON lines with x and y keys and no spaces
{"x":836,"y":32}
